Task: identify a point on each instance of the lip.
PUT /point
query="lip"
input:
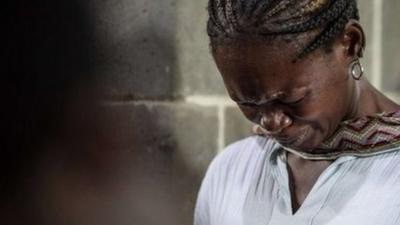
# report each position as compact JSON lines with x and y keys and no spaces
{"x":294,"y":141}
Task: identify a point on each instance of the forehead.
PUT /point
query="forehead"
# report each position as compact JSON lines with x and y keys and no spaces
{"x":239,"y":48}
{"x":256,"y":68}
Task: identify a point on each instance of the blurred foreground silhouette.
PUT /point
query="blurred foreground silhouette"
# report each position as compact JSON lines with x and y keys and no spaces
{"x":67,"y":157}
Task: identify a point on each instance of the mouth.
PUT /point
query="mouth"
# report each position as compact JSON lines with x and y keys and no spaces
{"x":294,"y":141}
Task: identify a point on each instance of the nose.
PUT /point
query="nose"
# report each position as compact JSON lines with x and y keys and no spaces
{"x":275,"y":121}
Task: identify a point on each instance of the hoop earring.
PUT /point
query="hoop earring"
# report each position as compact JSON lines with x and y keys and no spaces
{"x":356,"y":70}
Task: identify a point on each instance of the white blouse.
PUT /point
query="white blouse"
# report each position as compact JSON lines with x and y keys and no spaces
{"x":247,"y":184}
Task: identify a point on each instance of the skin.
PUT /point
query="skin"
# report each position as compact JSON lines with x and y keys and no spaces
{"x":301,"y":103}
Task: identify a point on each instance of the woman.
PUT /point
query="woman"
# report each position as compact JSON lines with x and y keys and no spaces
{"x":329,"y":153}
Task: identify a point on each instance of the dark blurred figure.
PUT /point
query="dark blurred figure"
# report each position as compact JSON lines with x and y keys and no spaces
{"x":65,"y":157}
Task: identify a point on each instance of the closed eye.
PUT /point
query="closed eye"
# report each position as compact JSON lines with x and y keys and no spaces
{"x":247,"y":104}
{"x":293,"y":103}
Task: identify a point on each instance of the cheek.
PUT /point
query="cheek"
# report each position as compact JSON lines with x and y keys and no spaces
{"x":324,"y":109}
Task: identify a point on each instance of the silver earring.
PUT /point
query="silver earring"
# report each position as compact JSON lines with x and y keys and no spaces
{"x":356,"y":70}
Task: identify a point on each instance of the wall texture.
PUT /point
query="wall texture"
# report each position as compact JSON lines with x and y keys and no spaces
{"x":157,"y":68}
{"x":379,"y":18}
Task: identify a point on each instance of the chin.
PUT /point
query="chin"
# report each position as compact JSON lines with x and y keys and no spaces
{"x":308,"y":141}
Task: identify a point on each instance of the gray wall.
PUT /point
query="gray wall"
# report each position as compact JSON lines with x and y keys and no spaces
{"x":156,"y":67}
{"x":380,"y":20}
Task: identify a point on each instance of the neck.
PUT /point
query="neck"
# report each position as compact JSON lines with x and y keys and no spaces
{"x":367,"y":100}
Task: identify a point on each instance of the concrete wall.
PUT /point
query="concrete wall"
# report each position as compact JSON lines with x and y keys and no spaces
{"x":156,"y":67}
{"x":380,"y":18}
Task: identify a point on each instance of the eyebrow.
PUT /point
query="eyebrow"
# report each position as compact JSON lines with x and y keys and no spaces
{"x":264,"y":100}
{"x":274,"y":96}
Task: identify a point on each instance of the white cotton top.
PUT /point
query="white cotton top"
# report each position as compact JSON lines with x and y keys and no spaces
{"x":247,"y":184}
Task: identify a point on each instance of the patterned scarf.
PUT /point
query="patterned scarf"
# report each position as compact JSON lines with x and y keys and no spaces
{"x":362,"y":137}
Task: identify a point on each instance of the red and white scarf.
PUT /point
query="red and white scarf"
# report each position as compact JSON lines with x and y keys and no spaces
{"x":362,"y":137}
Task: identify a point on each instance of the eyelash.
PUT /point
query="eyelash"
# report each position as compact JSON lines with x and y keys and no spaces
{"x":245,"y":104}
{"x":295,"y":103}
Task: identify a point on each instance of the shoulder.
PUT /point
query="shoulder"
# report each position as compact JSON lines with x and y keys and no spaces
{"x":229,"y":176}
{"x":236,"y":165}
{"x":387,"y":163}
{"x":241,"y":155}
{"x":245,"y":149}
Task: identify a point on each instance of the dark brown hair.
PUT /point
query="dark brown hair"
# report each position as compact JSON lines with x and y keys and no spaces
{"x":274,"y":18}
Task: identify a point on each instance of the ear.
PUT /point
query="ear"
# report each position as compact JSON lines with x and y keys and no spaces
{"x":353,"y":39}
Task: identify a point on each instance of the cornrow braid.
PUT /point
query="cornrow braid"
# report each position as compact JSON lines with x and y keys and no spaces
{"x":307,"y":8}
{"x":279,"y":7}
{"x":317,"y":21}
{"x":261,"y":8}
{"x":214,"y":27}
{"x":220,"y":6}
{"x":251,"y":6}
{"x":230,"y":13}
{"x":330,"y":32}
{"x":312,"y":6}
{"x":275,"y":18}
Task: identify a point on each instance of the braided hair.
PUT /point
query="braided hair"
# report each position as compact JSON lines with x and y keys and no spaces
{"x":229,"y":19}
